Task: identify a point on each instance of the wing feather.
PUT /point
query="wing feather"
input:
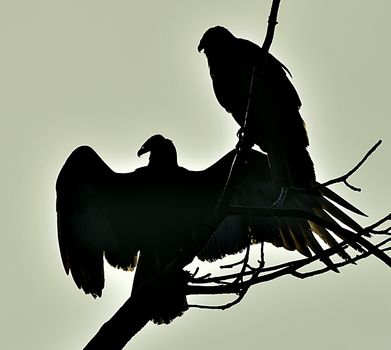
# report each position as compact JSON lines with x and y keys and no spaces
{"x":87,"y":202}
{"x":255,"y":188}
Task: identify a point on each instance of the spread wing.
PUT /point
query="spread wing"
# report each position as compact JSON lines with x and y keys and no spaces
{"x":94,"y":206}
{"x":255,"y":189}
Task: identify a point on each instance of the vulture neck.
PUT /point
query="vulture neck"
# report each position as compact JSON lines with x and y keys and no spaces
{"x":163,"y":158}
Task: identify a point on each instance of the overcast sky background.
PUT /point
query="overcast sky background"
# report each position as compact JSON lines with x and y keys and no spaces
{"x":112,"y":73}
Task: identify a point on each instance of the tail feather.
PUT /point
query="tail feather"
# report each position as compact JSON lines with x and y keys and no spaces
{"x":164,"y":290}
{"x":328,"y":239}
{"x":259,"y":186}
{"x":170,"y":298}
{"x":317,"y":249}
{"x":326,"y":192}
{"x":297,"y":230}
{"x":339,"y":233}
{"x":287,"y":239}
{"x":339,"y":214}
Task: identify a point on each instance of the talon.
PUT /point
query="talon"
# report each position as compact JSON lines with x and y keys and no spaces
{"x":245,"y":142}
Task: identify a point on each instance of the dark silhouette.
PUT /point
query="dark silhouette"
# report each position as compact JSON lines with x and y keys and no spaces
{"x":160,"y":210}
{"x":161,"y":216}
{"x":155,"y":210}
{"x":239,"y":67}
{"x":254,"y":188}
{"x":103,"y":213}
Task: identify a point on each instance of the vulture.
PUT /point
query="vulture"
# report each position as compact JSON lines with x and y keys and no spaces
{"x":131,"y":219}
{"x":145,"y":219}
{"x":254,"y":88}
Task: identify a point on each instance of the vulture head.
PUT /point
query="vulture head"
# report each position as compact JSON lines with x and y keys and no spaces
{"x":162,"y":151}
{"x":215,"y":38}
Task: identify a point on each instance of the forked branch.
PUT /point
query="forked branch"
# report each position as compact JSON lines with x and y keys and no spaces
{"x":221,"y":285}
{"x":238,"y":283}
{"x":344,"y":178}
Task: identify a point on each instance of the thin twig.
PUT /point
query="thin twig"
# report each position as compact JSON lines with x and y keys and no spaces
{"x":345,"y":177}
{"x":272,"y":22}
{"x":354,"y":237}
{"x":262,"y":261}
{"x":290,"y":268}
{"x":371,"y":228}
{"x":241,"y":262}
{"x":330,"y":251}
{"x":340,"y":264}
{"x":236,"y":301}
{"x":296,"y":264}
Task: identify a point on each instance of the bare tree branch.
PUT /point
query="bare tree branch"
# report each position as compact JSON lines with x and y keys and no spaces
{"x":272,"y":22}
{"x":136,"y":311}
{"x":133,"y":315}
{"x":344,"y":178}
{"x":273,"y":272}
{"x":371,"y":228}
{"x":354,"y":237}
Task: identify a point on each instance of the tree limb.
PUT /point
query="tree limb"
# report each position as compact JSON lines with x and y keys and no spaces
{"x":278,"y":212}
{"x":344,"y":178}
{"x":273,"y":272}
{"x":136,"y":311}
{"x":272,"y":22}
{"x":133,"y":315}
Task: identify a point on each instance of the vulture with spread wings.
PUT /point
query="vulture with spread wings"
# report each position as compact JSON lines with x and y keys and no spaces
{"x":246,"y":80}
{"x":149,"y":217}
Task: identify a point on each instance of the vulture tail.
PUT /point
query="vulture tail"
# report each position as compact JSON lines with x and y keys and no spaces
{"x":163,"y":292}
{"x":170,"y":298}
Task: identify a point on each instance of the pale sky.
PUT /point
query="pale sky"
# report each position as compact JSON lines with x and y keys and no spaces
{"x":112,"y":73}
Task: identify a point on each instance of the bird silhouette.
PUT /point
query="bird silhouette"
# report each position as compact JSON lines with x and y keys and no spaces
{"x":144,"y":218}
{"x":254,"y":87}
{"x":103,"y":213}
{"x":148,"y":218}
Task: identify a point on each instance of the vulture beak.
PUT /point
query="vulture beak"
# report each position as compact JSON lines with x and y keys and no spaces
{"x":142,"y":151}
{"x":152,"y":143}
{"x":200,"y":46}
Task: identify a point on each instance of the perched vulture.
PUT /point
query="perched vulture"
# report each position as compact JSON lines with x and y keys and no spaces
{"x":103,"y":213}
{"x":238,"y":66}
{"x":149,"y":217}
